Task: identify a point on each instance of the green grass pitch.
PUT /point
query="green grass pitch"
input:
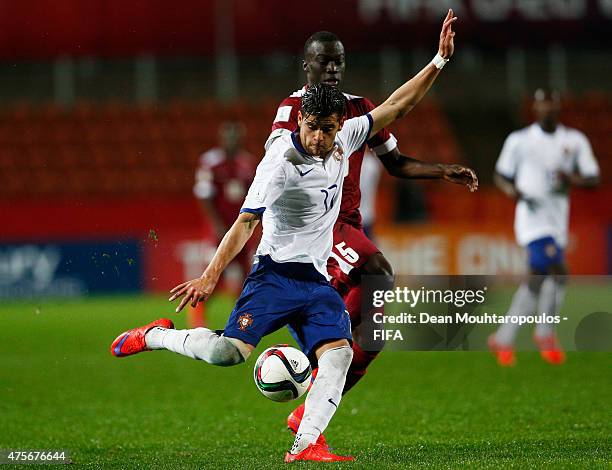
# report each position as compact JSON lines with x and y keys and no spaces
{"x":61,"y":388}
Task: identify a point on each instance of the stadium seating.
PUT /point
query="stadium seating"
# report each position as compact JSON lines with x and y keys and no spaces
{"x":115,"y":149}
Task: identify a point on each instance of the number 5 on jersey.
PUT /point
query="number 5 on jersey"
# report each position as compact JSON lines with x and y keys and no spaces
{"x":347,"y":253}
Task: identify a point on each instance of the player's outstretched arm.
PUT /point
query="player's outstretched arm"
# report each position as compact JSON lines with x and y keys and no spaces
{"x":233,"y":242}
{"x":410,"y":93}
{"x":402,"y":166}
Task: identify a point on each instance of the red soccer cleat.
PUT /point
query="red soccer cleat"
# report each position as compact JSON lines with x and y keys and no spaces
{"x":295,"y":418}
{"x":504,"y":354}
{"x":317,"y":453}
{"x":133,"y":341}
{"x":293,"y":423}
{"x":550,"y":350}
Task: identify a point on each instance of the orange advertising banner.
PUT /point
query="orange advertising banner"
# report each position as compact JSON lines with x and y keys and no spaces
{"x":469,"y":249}
{"x":438,"y":249}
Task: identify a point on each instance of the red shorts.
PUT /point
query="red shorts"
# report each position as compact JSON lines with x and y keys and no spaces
{"x":351,"y":249}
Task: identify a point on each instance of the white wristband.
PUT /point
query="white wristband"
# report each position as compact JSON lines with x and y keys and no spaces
{"x":439,"y":61}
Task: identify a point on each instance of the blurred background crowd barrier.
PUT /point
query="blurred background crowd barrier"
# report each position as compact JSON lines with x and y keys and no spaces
{"x":106,"y":106}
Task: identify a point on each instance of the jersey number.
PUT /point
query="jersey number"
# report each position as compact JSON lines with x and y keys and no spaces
{"x":333,"y":197}
{"x":347,"y":253}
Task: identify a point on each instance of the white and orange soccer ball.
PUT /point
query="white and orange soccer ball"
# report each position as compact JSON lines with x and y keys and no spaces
{"x":282,"y":373}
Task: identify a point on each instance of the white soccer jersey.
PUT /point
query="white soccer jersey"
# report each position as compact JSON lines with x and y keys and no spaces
{"x":299,"y":195}
{"x":534,"y":159}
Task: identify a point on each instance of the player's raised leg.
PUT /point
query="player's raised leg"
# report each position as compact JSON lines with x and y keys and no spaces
{"x":201,"y":344}
{"x":133,"y":341}
{"x":198,"y":343}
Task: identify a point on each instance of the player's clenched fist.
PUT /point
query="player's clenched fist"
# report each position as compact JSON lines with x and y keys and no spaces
{"x":194,"y":291}
{"x":460,"y":174}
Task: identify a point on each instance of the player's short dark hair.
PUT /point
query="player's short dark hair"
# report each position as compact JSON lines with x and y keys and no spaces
{"x":323,"y":100}
{"x":320,"y":36}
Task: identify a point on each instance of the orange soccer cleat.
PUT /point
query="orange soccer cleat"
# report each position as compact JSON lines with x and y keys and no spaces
{"x":317,"y":453}
{"x":295,"y":418}
{"x":550,"y":350}
{"x":504,"y":354}
{"x":133,"y":341}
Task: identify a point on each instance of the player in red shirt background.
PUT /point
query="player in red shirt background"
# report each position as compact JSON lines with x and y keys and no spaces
{"x":223,"y":178}
{"x":353,"y":253}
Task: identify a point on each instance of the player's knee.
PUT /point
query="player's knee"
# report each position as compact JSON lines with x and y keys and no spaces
{"x":223,"y":352}
{"x":338,"y":358}
{"x":346,"y":353}
{"x":378,"y":265}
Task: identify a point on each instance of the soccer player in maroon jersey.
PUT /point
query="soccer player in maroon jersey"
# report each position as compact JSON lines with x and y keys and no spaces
{"x":353,"y":253}
{"x":223,"y":177}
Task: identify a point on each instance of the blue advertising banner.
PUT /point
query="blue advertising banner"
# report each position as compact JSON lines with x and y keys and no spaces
{"x":68,"y":269}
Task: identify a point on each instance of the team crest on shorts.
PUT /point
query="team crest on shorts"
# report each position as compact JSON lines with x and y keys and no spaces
{"x":244,"y":321}
{"x":550,"y":250}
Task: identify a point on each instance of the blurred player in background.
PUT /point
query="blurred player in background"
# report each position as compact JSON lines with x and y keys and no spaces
{"x":537,"y":166}
{"x":223,"y":177}
{"x":353,"y":254}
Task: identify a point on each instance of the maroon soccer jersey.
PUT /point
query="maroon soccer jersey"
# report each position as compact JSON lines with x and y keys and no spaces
{"x":225,"y":181}
{"x":383,"y":142}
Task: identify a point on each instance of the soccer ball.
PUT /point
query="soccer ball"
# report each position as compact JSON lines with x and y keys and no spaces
{"x":282,"y":373}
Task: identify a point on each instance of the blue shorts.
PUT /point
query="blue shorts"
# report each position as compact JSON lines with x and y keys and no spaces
{"x":544,"y":253}
{"x":294,"y":294}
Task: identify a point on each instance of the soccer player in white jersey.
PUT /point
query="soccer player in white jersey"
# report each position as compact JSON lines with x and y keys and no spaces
{"x":537,"y":166}
{"x":296,"y":192}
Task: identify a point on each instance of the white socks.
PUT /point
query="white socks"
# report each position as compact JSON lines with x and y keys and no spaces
{"x":524,"y":303}
{"x":552,"y":294}
{"x":200,"y":343}
{"x":324,"y":396}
